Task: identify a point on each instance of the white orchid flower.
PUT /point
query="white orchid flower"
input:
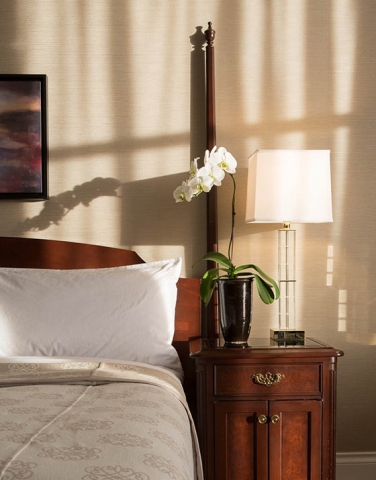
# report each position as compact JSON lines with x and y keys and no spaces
{"x":213,"y":171}
{"x":193,"y":170}
{"x":208,"y":155}
{"x":201,"y":183}
{"x":216,"y":164}
{"x":183,"y":192}
{"x":224,"y":160}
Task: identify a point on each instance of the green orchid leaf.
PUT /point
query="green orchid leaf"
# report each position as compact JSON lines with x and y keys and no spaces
{"x":264,"y":290}
{"x":261,"y":273}
{"x":241,"y":268}
{"x":264,"y":283}
{"x":217,"y":258}
{"x":208,"y":284}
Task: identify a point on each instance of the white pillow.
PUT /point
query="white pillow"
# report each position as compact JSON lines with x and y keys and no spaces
{"x":123,"y":313}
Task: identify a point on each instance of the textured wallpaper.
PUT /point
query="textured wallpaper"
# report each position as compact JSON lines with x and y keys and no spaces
{"x":126,"y":115}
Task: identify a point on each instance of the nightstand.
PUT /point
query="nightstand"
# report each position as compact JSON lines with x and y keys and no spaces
{"x":266,"y":412}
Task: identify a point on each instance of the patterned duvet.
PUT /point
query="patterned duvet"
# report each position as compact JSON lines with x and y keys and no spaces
{"x":69,"y":419}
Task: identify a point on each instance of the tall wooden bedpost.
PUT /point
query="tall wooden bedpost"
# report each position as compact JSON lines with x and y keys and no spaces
{"x":212,"y":222}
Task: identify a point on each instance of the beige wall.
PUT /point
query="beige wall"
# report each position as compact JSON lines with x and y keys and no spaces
{"x":126,"y":115}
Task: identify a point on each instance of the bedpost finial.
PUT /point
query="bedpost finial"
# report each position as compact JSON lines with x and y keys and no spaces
{"x":210,"y":34}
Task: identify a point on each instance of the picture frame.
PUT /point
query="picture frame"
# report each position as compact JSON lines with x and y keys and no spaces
{"x":23,"y":137}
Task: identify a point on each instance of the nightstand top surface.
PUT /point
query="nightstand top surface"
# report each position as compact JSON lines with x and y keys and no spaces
{"x":209,"y":346}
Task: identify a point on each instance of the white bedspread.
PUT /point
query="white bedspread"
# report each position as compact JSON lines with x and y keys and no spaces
{"x":68,"y":419}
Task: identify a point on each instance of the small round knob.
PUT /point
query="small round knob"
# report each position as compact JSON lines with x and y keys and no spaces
{"x":275,"y":419}
{"x":262,"y":419}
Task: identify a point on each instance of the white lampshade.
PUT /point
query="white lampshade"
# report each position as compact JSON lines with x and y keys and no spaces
{"x":289,"y":186}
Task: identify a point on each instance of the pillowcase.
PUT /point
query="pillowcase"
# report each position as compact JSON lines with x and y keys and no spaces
{"x":122,"y":313}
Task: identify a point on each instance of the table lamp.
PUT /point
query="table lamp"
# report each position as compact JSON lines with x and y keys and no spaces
{"x":288,"y":186}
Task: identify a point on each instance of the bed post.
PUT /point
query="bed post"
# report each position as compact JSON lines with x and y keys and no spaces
{"x":212,"y":224}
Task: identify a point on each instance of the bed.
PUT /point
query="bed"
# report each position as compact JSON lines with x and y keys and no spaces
{"x":95,"y":375}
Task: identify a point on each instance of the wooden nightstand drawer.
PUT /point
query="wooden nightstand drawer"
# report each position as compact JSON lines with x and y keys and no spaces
{"x":288,"y":379}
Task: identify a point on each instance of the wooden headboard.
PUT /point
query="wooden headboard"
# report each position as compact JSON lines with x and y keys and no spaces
{"x":54,"y":254}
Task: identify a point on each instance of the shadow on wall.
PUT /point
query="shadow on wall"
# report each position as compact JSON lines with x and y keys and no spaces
{"x":57,"y":207}
{"x":150,"y":216}
{"x":149,"y":213}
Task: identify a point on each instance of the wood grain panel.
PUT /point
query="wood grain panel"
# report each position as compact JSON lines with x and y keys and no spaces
{"x":297,"y":379}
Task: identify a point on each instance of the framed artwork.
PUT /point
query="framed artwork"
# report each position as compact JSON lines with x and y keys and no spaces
{"x":23,"y":137}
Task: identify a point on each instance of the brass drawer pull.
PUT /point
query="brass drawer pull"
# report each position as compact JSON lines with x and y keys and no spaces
{"x":262,"y":419}
{"x":275,"y":419}
{"x":268,"y":379}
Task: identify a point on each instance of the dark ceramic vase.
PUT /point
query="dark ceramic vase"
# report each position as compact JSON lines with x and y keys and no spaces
{"x":235,"y":305}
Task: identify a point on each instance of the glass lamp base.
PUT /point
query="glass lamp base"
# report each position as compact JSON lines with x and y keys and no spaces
{"x":283,"y":335}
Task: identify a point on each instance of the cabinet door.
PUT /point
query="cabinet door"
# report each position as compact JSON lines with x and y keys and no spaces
{"x":241,"y":442}
{"x":295,"y":440}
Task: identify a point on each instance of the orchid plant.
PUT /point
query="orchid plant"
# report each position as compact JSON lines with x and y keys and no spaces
{"x":217,"y":163}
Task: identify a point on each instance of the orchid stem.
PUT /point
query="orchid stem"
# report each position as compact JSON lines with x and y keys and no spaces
{"x":233,"y":213}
